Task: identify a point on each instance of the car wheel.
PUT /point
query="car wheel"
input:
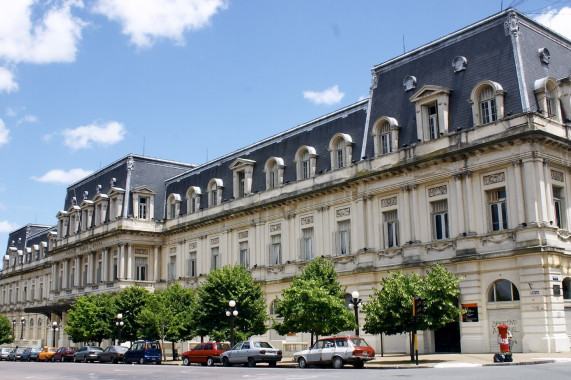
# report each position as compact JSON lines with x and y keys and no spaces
{"x":210,"y":362}
{"x":359,"y":364}
{"x":53,"y":359}
{"x":113,"y":360}
{"x":226,"y":362}
{"x":337,"y":362}
{"x":273,"y":363}
{"x":302,"y":362}
{"x":29,"y":360}
{"x":85,"y":359}
{"x":142,"y":361}
{"x":159,"y":362}
{"x":185,"y":361}
{"x":251,"y":362}
{"x":63,"y":359}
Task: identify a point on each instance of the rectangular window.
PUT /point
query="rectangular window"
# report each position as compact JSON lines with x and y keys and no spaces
{"x":440,"y":227}
{"x":98,"y":270}
{"x":41,"y":293}
{"x":273,"y":179}
{"x":141,"y":268}
{"x":307,"y":244}
{"x":488,"y":112}
{"x":433,"y":121}
{"x":342,"y":237}
{"x":115,"y":269}
{"x":172,"y":268}
{"x":497,"y":207}
{"x":558,"y":207}
{"x":191,"y":265}
{"x":241,"y":184}
{"x":192,"y":205}
{"x":391,"y":232}
{"x":244,"y":254}
{"x":275,"y":250}
{"x":305,"y":168}
{"x":385,"y":143}
{"x":215,"y":258}
{"x":143,"y":208}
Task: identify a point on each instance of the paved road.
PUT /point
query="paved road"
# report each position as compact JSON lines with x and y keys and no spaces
{"x":73,"y":371}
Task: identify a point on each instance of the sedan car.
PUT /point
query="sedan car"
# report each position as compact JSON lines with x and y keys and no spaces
{"x":46,"y":354}
{"x":112,"y":354}
{"x":31,"y":354}
{"x":87,"y":354}
{"x":251,"y":353}
{"x":4,"y":352}
{"x":205,"y":353}
{"x":336,"y":351}
{"x":64,"y":354}
{"x":16,"y":354}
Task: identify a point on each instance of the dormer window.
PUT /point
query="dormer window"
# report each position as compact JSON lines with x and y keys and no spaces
{"x":215,"y":192}
{"x":487,"y":102}
{"x":193,"y":199}
{"x":305,"y":160}
{"x":547,"y":94}
{"x":242,"y":177}
{"x":385,"y":135}
{"x":341,"y":149}
{"x":431,"y":105}
{"x":143,"y":203}
{"x":173,"y":206}
{"x":274,"y":170}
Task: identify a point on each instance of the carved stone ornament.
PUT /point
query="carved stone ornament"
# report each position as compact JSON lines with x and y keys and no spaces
{"x":557,"y":176}
{"x":307,"y":220}
{"x":173,"y":250}
{"x":563,"y":235}
{"x":440,"y":246}
{"x":390,"y":254}
{"x":459,"y":63}
{"x":497,"y":239}
{"x":275,"y":227}
{"x":243,"y":235}
{"x":409,"y":83}
{"x":344,"y":259}
{"x":544,"y":55}
{"x":215,"y":241}
{"x":275,"y":269}
{"x":193,"y":245}
{"x":438,"y":190}
{"x":494,"y":178}
{"x":387,"y":202}
{"x":346,"y":211}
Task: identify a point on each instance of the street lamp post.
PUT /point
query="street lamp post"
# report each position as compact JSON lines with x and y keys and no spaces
{"x":232,"y":313}
{"x":55,"y":329}
{"x":119,"y":323}
{"x":355,"y":303}
{"x":14,"y":328}
{"x":23,"y":322}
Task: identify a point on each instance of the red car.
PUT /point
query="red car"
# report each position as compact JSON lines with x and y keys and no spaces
{"x":205,"y":353}
{"x":64,"y":354}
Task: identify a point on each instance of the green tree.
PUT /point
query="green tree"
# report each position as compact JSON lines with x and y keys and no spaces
{"x":6,"y":333}
{"x":168,"y":315}
{"x":390,"y":309}
{"x":223,"y":285}
{"x":130,"y":301}
{"x":314,"y":303}
{"x":90,"y":318}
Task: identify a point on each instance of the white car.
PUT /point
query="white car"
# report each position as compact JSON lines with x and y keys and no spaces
{"x":336,"y":351}
{"x":251,"y":353}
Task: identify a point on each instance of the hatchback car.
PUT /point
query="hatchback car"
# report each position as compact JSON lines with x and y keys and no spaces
{"x":336,"y":351}
{"x":87,"y":354}
{"x":16,"y":354}
{"x":251,"y":353}
{"x":205,"y":353}
{"x":112,"y":354}
{"x":4,"y":352}
{"x":31,"y":354}
{"x":64,"y":354}
{"x":46,"y":354}
{"x":144,"y":351}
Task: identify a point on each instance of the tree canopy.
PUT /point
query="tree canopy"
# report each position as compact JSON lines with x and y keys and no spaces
{"x":91,"y":318}
{"x":6,"y":333}
{"x":130,"y":301}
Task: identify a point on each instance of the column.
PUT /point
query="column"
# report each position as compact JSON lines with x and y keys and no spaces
{"x":470,"y":223}
{"x":77,"y":273}
{"x":414,"y":227}
{"x":156,"y":264}
{"x":406,"y":224}
{"x":65,"y":276}
{"x":90,"y":267}
{"x":54,"y":276}
{"x":360,"y":219}
{"x":459,"y":204}
{"x":548,"y":193}
{"x":129,"y":275}
{"x":370,"y":223}
{"x":120,"y":262}
{"x":530,"y":191}
{"x":519,"y":192}
{"x":104,"y":265}
{"x":541,"y":201}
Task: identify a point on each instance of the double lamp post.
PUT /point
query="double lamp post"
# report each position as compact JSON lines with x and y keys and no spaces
{"x":232,"y":313}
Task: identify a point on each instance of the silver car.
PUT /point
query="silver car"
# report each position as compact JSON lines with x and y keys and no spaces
{"x":336,"y":351}
{"x":251,"y":353}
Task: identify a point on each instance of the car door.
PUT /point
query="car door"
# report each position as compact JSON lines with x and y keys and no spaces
{"x":235,"y":352}
{"x":314,"y":354}
{"x":328,"y":350}
{"x":196,"y":353}
{"x":244,"y":353}
{"x":208,"y":351}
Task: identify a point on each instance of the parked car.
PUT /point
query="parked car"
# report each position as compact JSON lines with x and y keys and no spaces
{"x":251,"y":353}
{"x":87,"y":354}
{"x":112,"y":354}
{"x":205,"y":353}
{"x":336,"y":351}
{"x":4,"y":352}
{"x":64,"y":354}
{"x":16,"y":354}
{"x":46,"y":354}
{"x":144,"y":351}
{"x":31,"y":354}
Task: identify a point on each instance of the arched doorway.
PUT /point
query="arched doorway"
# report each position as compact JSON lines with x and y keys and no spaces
{"x":504,"y":309}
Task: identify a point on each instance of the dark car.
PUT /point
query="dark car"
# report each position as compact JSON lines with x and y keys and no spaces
{"x":205,"y":353}
{"x":87,"y":354}
{"x":144,"y":351}
{"x":112,"y":354}
{"x":251,"y":353}
{"x":16,"y":354}
{"x":31,"y":354}
{"x":64,"y":354}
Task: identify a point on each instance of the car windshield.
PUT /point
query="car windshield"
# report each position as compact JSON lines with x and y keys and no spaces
{"x":359,"y":342}
{"x":223,"y":346}
{"x":262,"y":345}
{"x":121,"y":349}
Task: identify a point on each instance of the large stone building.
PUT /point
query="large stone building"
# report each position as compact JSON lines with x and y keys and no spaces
{"x":459,"y":156}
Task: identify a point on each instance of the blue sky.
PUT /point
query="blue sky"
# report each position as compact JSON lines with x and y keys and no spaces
{"x":84,"y":83}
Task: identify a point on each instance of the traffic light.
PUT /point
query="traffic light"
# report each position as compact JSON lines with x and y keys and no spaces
{"x":419,"y":308}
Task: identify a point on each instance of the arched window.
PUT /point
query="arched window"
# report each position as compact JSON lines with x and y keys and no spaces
{"x":193,"y":199}
{"x":340,"y":147}
{"x":385,"y":134}
{"x":305,"y":159}
{"x":503,"y":290}
{"x":547,"y":94}
{"x":487,"y":101}
{"x":215,"y":192}
{"x":567,"y":288}
{"x":173,"y":206}
{"x":273,"y":308}
{"x":274,"y":170}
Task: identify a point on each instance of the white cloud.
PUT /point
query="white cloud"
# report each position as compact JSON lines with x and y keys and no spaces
{"x":4,"y":133}
{"x":28,"y":119}
{"x":7,"y":83}
{"x":6,"y":226}
{"x":329,"y":96}
{"x":557,"y":20}
{"x":63,"y":177}
{"x":52,"y":36}
{"x":106,"y":134}
{"x":145,"y":21}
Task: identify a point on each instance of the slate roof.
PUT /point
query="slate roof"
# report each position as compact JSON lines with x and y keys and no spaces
{"x":28,"y":235}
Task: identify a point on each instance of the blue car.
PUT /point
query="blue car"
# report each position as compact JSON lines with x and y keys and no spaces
{"x":144,"y":351}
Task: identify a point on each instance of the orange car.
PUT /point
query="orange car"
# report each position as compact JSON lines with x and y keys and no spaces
{"x":46,"y":354}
